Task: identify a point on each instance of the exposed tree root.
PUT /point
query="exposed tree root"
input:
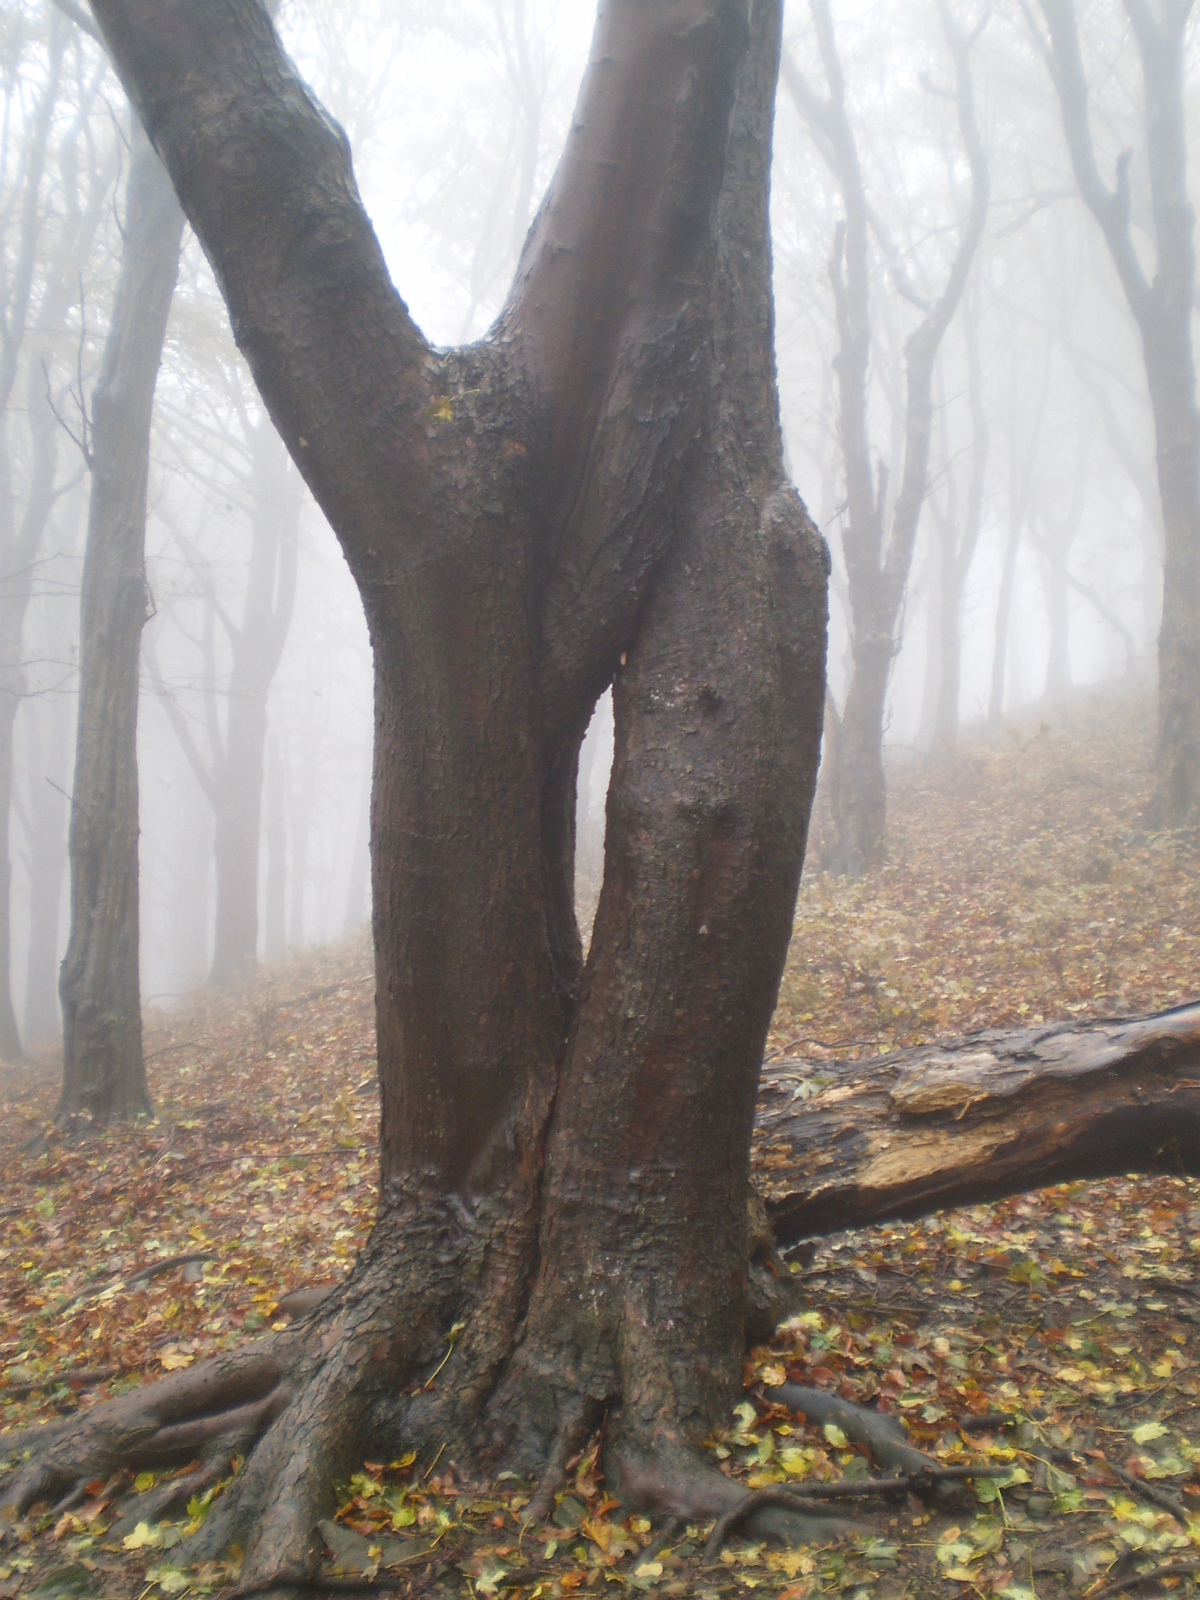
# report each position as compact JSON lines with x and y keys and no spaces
{"x":417,"y":1349}
{"x":881,"y":1435}
{"x":223,"y":1402}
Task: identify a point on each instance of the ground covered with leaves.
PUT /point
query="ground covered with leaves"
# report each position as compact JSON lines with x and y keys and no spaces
{"x":1054,"y":1336}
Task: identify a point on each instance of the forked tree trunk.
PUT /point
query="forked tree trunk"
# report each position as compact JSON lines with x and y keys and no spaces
{"x":845,"y":1144}
{"x":594,"y":494}
{"x":103,"y":1071}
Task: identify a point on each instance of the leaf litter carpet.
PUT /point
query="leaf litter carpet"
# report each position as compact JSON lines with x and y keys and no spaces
{"x":1056,"y":1335}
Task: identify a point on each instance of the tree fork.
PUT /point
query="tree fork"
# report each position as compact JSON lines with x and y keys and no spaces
{"x":594,"y":494}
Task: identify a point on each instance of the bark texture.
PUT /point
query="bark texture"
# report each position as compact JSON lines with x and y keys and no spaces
{"x":103,"y":1072}
{"x":1162,"y":307}
{"x":592,"y":495}
{"x":845,"y":1144}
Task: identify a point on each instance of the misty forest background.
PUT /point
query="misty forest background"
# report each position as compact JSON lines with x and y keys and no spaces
{"x":1037,"y":567}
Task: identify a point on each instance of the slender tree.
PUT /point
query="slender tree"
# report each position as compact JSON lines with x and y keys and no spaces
{"x":878,"y":556}
{"x":595,"y":493}
{"x":1162,"y":308}
{"x":103,"y":1071}
{"x":54,"y":212}
{"x":957,"y":542}
{"x":231,"y":776}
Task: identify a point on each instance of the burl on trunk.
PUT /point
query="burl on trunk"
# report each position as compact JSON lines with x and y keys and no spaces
{"x":594,"y":494}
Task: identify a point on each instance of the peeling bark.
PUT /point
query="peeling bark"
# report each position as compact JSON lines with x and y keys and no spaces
{"x":846,"y":1144}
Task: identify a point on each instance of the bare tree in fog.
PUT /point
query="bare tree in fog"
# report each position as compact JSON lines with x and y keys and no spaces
{"x":878,"y":557}
{"x":1162,"y":307}
{"x":958,"y":521}
{"x":55,"y":185}
{"x":231,"y":772}
{"x":103,"y":1070}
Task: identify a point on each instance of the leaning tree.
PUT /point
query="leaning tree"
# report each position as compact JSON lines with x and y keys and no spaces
{"x":594,"y":494}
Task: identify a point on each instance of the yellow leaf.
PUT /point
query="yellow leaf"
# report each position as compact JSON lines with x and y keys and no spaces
{"x":143,"y":1537}
{"x":172,"y":1360}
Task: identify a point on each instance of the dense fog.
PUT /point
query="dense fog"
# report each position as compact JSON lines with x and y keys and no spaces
{"x":1041,"y":524}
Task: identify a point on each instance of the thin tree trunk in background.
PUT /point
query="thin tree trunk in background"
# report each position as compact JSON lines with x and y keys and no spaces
{"x":103,"y":1070}
{"x":1056,"y":543}
{"x":1008,"y":578}
{"x":275,"y":907}
{"x":257,"y":647}
{"x":50,"y":760}
{"x":300,"y":812}
{"x":958,"y":551}
{"x":1162,"y":309}
{"x":357,"y":908}
{"x":878,"y":568}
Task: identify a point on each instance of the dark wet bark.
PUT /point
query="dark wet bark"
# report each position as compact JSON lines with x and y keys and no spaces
{"x":846,"y":1144}
{"x":1162,"y":308}
{"x":103,"y":1072}
{"x":878,"y":554}
{"x":595,"y":494}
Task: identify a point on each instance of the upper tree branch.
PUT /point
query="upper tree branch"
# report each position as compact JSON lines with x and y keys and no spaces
{"x":1110,"y":207}
{"x":850,"y":280}
{"x":623,"y":241}
{"x":266,"y":180}
{"x":924,"y":342}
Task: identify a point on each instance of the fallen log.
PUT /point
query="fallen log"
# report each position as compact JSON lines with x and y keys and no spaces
{"x":842,"y":1144}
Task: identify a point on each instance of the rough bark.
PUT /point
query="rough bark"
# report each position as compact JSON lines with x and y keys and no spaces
{"x":103,"y":1072}
{"x":878,"y":556}
{"x":594,"y":494}
{"x":1162,"y":308}
{"x":845,"y":1144}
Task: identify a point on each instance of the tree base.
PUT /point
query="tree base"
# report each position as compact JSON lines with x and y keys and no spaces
{"x":410,"y":1352}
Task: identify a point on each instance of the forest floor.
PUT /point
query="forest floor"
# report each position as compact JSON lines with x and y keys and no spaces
{"x":1019,"y":886}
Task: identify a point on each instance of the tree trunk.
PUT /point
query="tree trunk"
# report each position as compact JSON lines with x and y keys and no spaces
{"x":594,"y":494}
{"x":274,"y":909}
{"x":103,"y":1072}
{"x":20,"y":540}
{"x":846,"y":1144}
{"x":1162,"y":308}
{"x":358,"y":883}
{"x":1004,"y":599}
{"x":49,"y":762}
{"x":257,"y":647}
{"x":877,"y":567}
{"x":958,"y":552}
